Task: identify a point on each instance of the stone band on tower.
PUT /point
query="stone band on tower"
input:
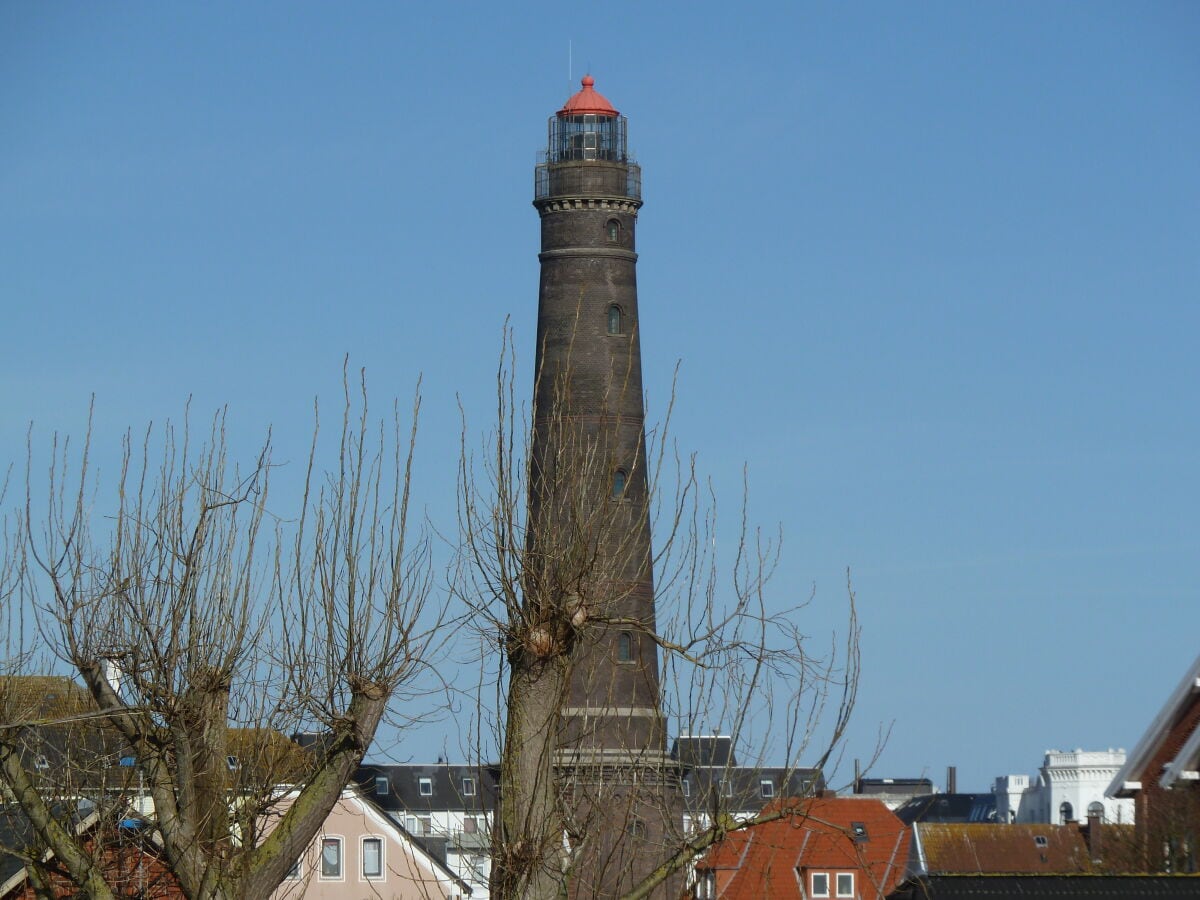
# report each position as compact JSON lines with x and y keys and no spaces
{"x":589,"y":515}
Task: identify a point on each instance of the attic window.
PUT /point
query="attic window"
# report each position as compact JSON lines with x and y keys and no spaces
{"x":1040,"y":840}
{"x":232,"y":762}
{"x":41,"y":762}
{"x":687,"y":788}
{"x":425,"y":786}
{"x":381,"y":786}
{"x":859,"y":831}
{"x":766,"y":788}
{"x":468,"y":786}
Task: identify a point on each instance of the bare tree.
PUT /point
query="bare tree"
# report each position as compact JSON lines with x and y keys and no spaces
{"x":552,"y":563}
{"x":207,"y":629}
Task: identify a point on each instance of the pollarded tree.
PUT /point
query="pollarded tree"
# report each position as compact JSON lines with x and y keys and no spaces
{"x":556,"y":561}
{"x":207,"y":629}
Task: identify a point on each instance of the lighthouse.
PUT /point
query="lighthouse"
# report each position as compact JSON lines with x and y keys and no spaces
{"x":589,"y":500}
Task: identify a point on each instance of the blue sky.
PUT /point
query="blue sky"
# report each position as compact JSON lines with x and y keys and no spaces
{"x":930,"y":270}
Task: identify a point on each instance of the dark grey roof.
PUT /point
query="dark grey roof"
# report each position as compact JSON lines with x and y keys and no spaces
{"x":914,"y":786}
{"x":80,"y":757}
{"x":427,"y":788}
{"x":948,"y":808}
{"x":1061,"y":887}
{"x":703,"y":750}
{"x":736,"y":789}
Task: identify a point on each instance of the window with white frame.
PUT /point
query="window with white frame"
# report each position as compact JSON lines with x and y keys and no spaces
{"x":766,"y":788}
{"x":381,"y":786}
{"x":468,"y":787}
{"x":425,"y":787}
{"x":293,"y":874}
{"x":845,"y":884}
{"x":424,"y":825}
{"x":819,"y":881}
{"x":331,"y":857}
{"x":372,"y":857}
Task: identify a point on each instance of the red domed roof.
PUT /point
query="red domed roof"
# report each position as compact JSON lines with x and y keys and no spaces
{"x":587,"y":101}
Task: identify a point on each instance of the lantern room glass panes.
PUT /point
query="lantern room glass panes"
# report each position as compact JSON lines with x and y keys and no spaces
{"x":587,"y":136}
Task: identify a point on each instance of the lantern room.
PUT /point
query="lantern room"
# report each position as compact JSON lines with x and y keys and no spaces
{"x":587,"y":153}
{"x":587,"y":128}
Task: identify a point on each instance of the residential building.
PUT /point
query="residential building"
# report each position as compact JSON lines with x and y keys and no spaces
{"x":362,"y":852}
{"x":829,"y":847}
{"x":713,"y":783}
{"x":948,"y":808}
{"x":1162,"y":778}
{"x":1069,"y":787}
{"x":446,"y":808}
{"x":893,"y":792}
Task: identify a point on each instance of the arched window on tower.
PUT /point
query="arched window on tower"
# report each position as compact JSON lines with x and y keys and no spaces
{"x":613,"y":228}
{"x":1096,"y":810}
{"x":1066,"y":813}
{"x":614,"y":319}
{"x":625,"y":647}
{"x":618,"y":484}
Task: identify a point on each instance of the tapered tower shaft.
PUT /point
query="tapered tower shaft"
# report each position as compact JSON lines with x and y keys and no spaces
{"x":589,"y":495}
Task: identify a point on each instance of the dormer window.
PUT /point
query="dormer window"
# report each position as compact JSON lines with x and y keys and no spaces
{"x":468,"y":787}
{"x":766,"y":788}
{"x":425,"y":787}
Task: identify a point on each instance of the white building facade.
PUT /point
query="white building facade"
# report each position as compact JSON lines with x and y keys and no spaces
{"x":1069,"y":787}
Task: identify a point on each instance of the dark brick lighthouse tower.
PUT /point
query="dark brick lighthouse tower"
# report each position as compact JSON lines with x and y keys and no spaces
{"x":589,"y":500}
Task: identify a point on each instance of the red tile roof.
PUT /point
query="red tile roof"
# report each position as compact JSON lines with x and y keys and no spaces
{"x":768,"y":860}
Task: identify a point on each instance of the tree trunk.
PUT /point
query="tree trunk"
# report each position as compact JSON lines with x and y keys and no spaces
{"x":528,"y":843}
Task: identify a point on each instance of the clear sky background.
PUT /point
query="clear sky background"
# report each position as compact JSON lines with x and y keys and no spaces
{"x":931,"y":271}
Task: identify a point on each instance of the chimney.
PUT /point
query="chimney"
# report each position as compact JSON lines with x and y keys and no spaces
{"x":951,"y":779}
{"x":1094,"y":837}
{"x":857,"y":777}
{"x":114,"y":676}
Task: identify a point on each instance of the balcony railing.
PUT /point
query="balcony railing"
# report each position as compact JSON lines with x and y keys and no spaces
{"x":587,"y":178}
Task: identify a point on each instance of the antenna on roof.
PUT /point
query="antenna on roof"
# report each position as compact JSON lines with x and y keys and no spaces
{"x":570,"y":66}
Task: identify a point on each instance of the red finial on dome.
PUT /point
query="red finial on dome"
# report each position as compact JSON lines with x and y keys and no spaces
{"x":587,"y":101}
